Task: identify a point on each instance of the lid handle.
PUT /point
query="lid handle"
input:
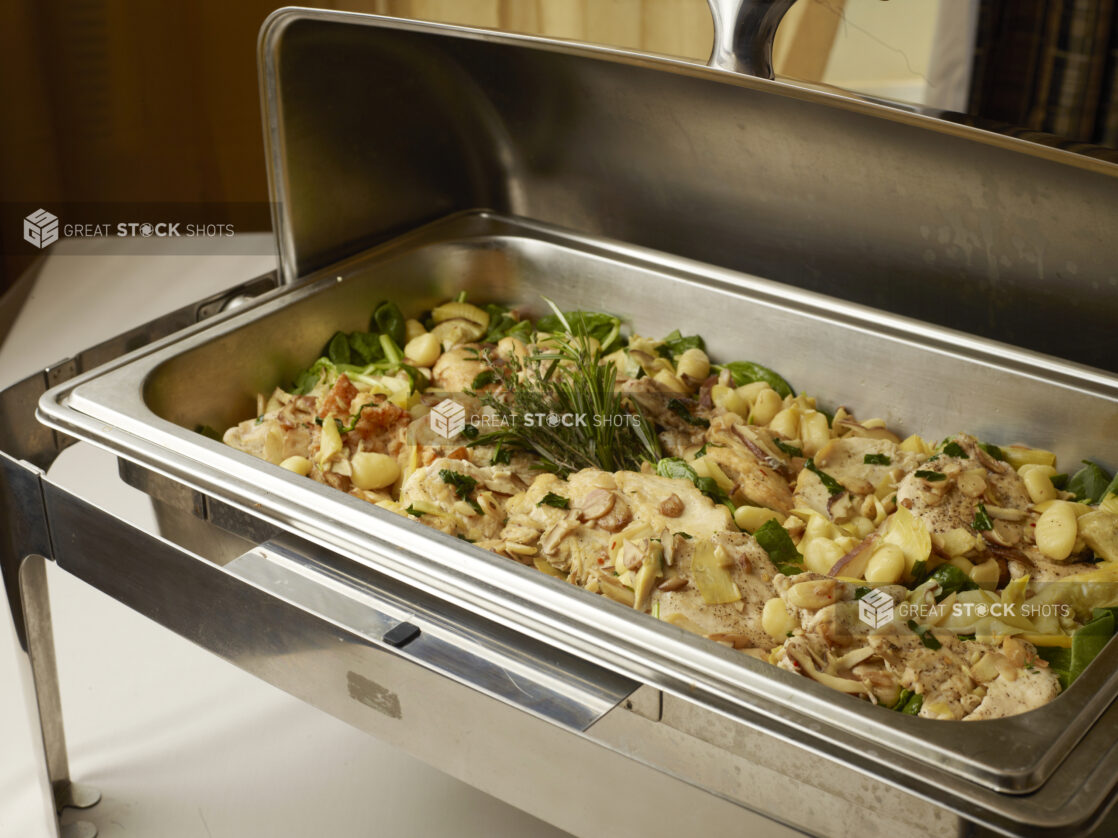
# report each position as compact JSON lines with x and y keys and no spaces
{"x":743,"y":34}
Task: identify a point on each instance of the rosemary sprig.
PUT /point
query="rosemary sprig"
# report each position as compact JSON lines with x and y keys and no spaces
{"x":563,"y":405}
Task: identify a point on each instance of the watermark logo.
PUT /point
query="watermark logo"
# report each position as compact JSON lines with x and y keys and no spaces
{"x":448,"y":418}
{"x":875,"y":609}
{"x":41,"y":228}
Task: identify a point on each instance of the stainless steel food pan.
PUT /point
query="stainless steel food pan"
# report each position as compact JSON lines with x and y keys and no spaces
{"x":916,"y":376}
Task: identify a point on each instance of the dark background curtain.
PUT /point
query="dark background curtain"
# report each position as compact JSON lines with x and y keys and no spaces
{"x":1049,"y":65}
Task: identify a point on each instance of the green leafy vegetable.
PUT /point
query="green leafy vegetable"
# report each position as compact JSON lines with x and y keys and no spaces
{"x":982,"y":522}
{"x":605,"y":328}
{"x":861,"y":591}
{"x":501,"y":456}
{"x":677,"y":407}
{"x":913,"y":705}
{"x":411,"y":510}
{"x":775,"y":541}
{"x":675,"y":344}
{"x":678,"y":469}
{"x":463,"y":485}
{"x":790,"y":450}
{"x":207,"y":431}
{"x":702,"y":451}
{"x":483,"y":378}
{"x":877,"y":460}
{"x":902,"y":700}
{"x":919,"y":573}
{"x":388,"y":320}
{"x":954,"y":449}
{"x":993,"y":450}
{"x":470,"y":431}
{"x":926,"y":637}
{"x":746,"y":372}
{"x":951,"y":580}
{"x":354,"y":419}
{"x":1060,"y":481}
{"x":1086,"y":644}
{"x":833,"y":486}
{"x":1091,"y":483}
{"x":502,"y":324}
{"x":552,"y":499}
{"x":931,"y":476}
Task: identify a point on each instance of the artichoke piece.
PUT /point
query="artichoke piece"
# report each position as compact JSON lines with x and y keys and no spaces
{"x":1099,"y":531}
{"x":710,"y":570}
{"x":908,"y":532}
{"x":645,"y":578}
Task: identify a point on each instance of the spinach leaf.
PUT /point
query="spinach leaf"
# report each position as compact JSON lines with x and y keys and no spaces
{"x":337,"y":349}
{"x":388,"y":320}
{"x":951,"y":580}
{"x":552,"y":499}
{"x":676,"y":344}
{"x":902,"y":700}
{"x":1089,"y":641}
{"x":1111,"y":488}
{"x":876,"y":460}
{"x":483,"y":378}
{"x":1086,"y":643}
{"x":1090,"y":483}
{"x":678,"y":469}
{"x":775,"y":541}
{"x":832,"y":485}
{"x":503,"y":324}
{"x":913,"y":705}
{"x":677,"y":407}
{"x":746,"y":372}
{"x":931,"y":476}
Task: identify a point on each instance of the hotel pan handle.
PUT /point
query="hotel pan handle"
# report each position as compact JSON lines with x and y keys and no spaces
{"x":743,"y":34}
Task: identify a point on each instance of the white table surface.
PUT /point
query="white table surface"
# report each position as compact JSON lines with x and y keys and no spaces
{"x":180,"y":743}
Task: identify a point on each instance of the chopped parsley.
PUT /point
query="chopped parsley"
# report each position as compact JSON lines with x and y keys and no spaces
{"x":926,"y":637}
{"x":832,"y":485}
{"x":954,"y":449}
{"x":552,"y":499}
{"x":981,"y":522}
{"x":992,"y":450}
{"x":677,"y":407}
{"x":790,"y":450}
{"x":463,"y":484}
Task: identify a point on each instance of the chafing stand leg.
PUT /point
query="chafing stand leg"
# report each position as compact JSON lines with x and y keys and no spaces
{"x":46,"y":703}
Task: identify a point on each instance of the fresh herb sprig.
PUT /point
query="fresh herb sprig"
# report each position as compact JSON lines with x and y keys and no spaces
{"x":563,"y":405}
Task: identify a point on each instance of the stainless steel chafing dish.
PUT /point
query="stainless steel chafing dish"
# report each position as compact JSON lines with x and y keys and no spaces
{"x":411,"y":161}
